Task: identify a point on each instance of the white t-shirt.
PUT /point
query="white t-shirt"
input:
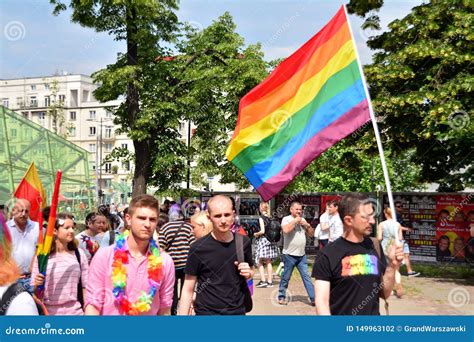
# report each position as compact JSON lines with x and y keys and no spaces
{"x":335,"y":227}
{"x":24,"y":243}
{"x":323,"y":234}
{"x":294,"y":242}
{"x":22,"y":305}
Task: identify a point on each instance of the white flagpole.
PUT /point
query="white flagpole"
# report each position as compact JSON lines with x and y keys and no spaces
{"x":376,"y":129}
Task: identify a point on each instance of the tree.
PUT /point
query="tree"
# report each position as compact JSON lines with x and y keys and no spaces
{"x":143,"y":25}
{"x":421,"y":83}
{"x":223,"y":70}
{"x":199,"y":79}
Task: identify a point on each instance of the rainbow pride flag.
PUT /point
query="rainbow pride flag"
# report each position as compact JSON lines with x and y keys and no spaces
{"x":312,"y":100}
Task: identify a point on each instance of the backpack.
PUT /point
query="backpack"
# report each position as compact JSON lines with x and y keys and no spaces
{"x":14,"y":290}
{"x":272,"y":229}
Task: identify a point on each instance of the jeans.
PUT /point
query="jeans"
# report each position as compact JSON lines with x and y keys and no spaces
{"x":179,"y":277}
{"x":301,"y":264}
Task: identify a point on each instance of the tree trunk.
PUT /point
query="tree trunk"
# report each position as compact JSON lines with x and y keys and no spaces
{"x":142,"y":167}
{"x":142,"y":151}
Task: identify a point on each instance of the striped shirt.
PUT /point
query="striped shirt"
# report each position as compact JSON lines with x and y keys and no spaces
{"x":179,"y":248}
{"x":62,"y":276}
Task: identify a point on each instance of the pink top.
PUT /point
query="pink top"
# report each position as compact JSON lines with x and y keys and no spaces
{"x":99,"y":287}
{"x":62,"y":277}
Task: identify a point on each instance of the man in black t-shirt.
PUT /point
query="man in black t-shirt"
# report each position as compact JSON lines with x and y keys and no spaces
{"x":349,"y":273}
{"x":212,"y":265}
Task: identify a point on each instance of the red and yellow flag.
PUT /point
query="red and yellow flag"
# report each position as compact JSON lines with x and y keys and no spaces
{"x":31,"y":189}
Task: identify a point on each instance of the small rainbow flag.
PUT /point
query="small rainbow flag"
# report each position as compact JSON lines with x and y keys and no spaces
{"x":31,"y":189}
{"x":312,"y":100}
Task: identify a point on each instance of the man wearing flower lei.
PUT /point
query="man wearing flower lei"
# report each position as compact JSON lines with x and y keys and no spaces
{"x":132,"y":277}
{"x":212,"y":265}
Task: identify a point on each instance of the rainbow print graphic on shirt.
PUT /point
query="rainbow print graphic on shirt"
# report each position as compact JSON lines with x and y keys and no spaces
{"x":360,"y":264}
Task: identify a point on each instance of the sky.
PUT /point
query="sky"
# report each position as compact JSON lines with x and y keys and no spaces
{"x":36,"y":43}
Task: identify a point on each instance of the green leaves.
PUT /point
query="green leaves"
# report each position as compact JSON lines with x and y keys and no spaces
{"x":421,"y":83}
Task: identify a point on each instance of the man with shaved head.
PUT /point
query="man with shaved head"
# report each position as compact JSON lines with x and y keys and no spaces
{"x":212,"y":265}
{"x":24,"y":233}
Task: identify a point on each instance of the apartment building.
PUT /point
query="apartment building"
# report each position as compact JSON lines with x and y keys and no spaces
{"x":81,"y":119}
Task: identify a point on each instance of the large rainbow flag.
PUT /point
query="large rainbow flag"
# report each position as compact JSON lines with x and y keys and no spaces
{"x":31,"y":189}
{"x":312,"y":100}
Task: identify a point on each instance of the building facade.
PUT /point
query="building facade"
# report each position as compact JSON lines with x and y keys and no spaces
{"x":65,"y":105}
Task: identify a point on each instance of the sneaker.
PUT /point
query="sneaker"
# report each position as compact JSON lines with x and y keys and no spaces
{"x":261,"y":284}
{"x":282,"y":301}
{"x":269,"y":284}
{"x":413,"y":274}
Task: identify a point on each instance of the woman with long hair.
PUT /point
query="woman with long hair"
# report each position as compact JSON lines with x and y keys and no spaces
{"x":22,"y":303}
{"x":66,"y":273}
{"x":266,"y":251}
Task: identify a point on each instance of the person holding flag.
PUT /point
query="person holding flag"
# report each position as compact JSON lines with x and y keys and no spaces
{"x":352,"y":273}
{"x":24,"y":233}
{"x":66,"y":272}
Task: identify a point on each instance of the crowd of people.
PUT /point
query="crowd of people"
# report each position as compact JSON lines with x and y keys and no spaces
{"x":161,"y":259}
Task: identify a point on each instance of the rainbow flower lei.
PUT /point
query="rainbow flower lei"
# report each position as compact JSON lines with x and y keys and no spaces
{"x":119,"y":277}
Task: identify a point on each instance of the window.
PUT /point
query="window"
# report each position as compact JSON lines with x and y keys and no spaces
{"x":108,"y":147}
{"x":92,"y":115}
{"x":33,"y":87}
{"x":108,"y":132}
{"x":72,"y":116}
{"x":5,"y":102}
{"x":62,"y":99}
{"x":19,"y":102}
{"x":25,"y":115}
{"x":13,"y":133}
{"x":72,"y":131}
{"x":108,"y":167}
{"x":126,"y":165}
{"x":108,"y":114}
{"x":91,"y":147}
{"x":47,"y":101}
{"x":92,"y":130}
{"x":125,"y":146}
{"x":92,"y":163}
{"x":46,"y":86}
{"x":41,"y":116}
{"x":33,"y":101}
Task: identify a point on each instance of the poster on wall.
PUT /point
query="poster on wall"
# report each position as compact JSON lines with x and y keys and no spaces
{"x":250,"y":224}
{"x":249,"y":206}
{"x":454,"y":216}
{"x":418,"y":213}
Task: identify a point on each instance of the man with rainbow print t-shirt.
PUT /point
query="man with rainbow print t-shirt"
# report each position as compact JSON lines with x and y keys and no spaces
{"x":349,"y":272}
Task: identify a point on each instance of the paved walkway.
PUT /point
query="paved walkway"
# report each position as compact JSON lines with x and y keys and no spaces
{"x":423,"y":296}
